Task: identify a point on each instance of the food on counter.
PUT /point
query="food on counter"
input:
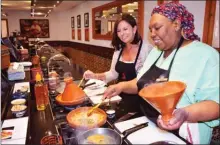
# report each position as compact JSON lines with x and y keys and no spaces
{"x":18,"y":108}
{"x":81,"y":118}
{"x":24,"y":88}
{"x":99,"y":139}
{"x":110,"y":113}
{"x":78,"y":118}
{"x":18,"y":102}
{"x":6,"y":134}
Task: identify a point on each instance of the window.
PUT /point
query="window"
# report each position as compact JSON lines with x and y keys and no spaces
{"x":211,"y":24}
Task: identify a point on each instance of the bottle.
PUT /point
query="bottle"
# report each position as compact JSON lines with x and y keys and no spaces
{"x":43,"y":64}
{"x":41,"y":93}
{"x":35,"y":58}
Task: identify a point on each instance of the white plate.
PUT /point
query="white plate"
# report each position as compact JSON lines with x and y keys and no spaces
{"x":19,"y":86}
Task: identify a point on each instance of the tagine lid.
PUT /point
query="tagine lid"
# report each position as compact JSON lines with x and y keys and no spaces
{"x":72,"y":94}
{"x":78,"y":118}
{"x":162,"y":89}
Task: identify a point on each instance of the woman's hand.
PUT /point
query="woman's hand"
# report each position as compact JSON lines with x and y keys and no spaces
{"x":88,"y":75}
{"x":179,"y":117}
{"x":112,"y":90}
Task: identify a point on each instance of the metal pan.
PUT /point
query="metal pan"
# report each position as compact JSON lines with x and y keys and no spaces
{"x":113,"y":136}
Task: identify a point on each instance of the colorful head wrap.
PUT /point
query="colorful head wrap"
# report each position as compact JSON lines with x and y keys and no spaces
{"x":173,"y":11}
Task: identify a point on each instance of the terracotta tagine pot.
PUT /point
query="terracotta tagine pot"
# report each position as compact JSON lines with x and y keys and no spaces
{"x":72,"y":94}
{"x":78,"y":118}
{"x":164,"y":96}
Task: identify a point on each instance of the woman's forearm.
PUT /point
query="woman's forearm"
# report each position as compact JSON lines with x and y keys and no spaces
{"x":203,"y":111}
{"x":129,"y":87}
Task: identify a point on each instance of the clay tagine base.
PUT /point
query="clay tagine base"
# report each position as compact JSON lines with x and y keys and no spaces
{"x":68,"y":103}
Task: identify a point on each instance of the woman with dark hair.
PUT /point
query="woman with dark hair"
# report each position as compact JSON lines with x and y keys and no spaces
{"x":130,"y":53}
{"x":180,"y":56}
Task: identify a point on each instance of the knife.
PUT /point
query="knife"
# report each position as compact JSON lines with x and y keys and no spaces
{"x":133,"y":129}
{"x":88,"y":85}
{"x":126,"y":117}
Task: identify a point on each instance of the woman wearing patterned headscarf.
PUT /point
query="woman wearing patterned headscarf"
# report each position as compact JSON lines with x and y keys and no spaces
{"x":180,"y":56}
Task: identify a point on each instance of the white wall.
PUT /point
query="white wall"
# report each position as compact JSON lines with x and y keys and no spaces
{"x":148,"y":7}
{"x":60,"y":23}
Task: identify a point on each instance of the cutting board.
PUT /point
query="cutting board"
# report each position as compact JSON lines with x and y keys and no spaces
{"x":147,"y":135}
{"x":96,"y":95}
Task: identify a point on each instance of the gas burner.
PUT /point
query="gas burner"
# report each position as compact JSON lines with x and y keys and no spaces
{"x":60,"y":111}
{"x":68,"y":133}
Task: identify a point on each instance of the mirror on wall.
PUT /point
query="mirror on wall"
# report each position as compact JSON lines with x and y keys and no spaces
{"x":105,"y":16}
{"x":4,"y":29}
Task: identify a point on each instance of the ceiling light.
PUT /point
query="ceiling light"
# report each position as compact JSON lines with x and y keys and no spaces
{"x":38,"y":13}
{"x":58,"y":2}
{"x":54,"y":5}
{"x":130,"y":11}
{"x":45,"y":7}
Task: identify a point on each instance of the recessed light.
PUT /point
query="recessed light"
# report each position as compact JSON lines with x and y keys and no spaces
{"x":58,"y":2}
{"x":54,"y":5}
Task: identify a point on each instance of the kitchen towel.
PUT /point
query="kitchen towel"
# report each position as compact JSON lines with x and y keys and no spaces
{"x":190,"y":132}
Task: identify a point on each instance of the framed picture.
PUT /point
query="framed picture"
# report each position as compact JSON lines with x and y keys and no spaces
{"x":79,"y":21}
{"x":72,"y":22}
{"x":35,"y":28}
{"x":86,"y":19}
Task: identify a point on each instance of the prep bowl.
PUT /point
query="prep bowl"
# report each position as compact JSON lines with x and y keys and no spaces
{"x":19,"y":110}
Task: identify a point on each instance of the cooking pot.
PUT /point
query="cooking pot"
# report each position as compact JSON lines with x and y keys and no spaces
{"x":111,"y":136}
{"x":86,"y":122}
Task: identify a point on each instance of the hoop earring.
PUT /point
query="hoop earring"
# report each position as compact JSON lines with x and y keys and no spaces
{"x":183,"y":35}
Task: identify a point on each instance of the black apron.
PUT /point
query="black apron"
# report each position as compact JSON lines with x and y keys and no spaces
{"x":127,"y":72}
{"x":150,"y":76}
